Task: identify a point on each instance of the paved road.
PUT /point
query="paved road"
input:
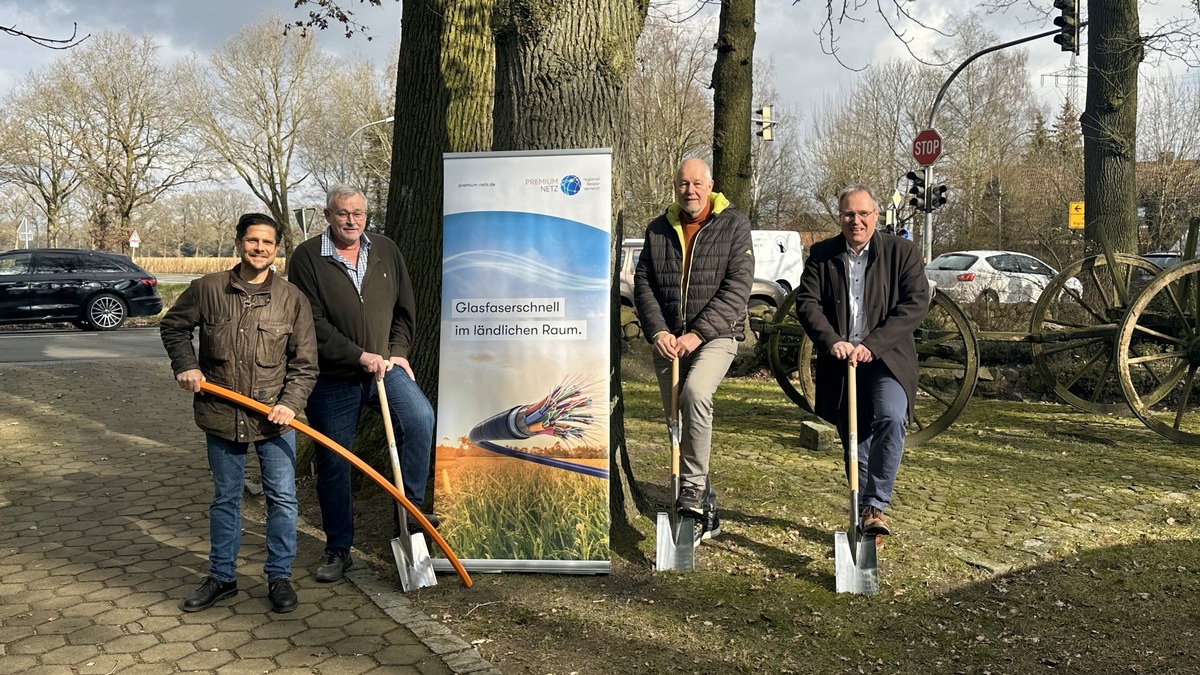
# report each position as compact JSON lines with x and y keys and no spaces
{"x":35,"y":346}
{"x":103,"y":530}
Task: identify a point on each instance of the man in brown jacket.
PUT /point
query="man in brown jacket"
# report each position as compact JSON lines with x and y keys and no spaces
{"x":861,"y":297}
{"x":257,"y":339}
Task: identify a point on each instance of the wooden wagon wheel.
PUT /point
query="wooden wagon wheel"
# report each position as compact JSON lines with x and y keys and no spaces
{"x":1158,"y":354}
{"x":946,"y":348}
{"x":1076,"y":329}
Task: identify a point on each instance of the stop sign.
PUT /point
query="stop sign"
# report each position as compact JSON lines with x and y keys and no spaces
{"x":927,"y":147}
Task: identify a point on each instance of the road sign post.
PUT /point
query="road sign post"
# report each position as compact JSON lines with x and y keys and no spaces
{"x":134,"y":241}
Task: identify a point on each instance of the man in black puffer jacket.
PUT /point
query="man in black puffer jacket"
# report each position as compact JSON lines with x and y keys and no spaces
{"x":691,"y":288}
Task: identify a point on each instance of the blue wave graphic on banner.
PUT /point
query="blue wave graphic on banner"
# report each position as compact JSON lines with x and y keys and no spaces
{"x":544,"y":275}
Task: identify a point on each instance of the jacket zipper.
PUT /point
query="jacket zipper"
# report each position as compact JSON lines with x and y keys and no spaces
{"x":688,"y":275}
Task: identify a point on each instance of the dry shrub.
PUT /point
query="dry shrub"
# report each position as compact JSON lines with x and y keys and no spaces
{"x":195,"y":265}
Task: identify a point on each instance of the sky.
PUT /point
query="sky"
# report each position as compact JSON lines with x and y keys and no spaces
{"x":786,"y":36}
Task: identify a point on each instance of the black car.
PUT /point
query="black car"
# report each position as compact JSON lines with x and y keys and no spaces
{"x":92,"y":289}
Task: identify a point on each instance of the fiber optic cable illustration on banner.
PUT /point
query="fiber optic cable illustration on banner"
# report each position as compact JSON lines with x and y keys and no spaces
{"x":564,"y":414}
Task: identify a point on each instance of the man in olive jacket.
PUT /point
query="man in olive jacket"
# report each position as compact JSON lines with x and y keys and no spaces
{"x":861,"y":297}
{"x":691,"y":288}
{"x":257,"y":339}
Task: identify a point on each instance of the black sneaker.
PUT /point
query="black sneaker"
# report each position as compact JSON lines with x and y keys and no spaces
{"x":712,"y":526}
{"x":283,"y":598}
{"x":210,"y":591}
{"x":335,"y":565}
{"x":690,"y":502}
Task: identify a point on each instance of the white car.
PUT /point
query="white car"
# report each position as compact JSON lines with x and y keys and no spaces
{"x":996,"y":276}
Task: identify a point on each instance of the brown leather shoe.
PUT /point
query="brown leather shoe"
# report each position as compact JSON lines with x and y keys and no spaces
{"x":873,"y":522}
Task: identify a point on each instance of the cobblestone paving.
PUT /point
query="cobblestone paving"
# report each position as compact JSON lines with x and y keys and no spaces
{"x":103,"y":530}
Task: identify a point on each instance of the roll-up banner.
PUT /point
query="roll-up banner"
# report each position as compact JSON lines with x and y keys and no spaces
{"x":521,"y":470}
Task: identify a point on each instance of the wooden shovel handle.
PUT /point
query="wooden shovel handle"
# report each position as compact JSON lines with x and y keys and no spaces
{"x":374,"y":475}
{"x":674,"y":421}
{"x":393,"y":453}
{"x":852,"y":422}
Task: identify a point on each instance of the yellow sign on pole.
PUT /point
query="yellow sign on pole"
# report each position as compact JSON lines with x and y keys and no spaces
{"x":1075,"y":216}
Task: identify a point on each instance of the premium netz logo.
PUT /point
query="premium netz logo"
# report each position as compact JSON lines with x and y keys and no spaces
{"x":568,"y":185}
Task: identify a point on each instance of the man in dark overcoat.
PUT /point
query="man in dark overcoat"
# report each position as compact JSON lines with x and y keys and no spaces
{"x":862,"y":295}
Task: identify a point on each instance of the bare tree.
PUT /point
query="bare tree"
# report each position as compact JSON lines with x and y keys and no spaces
{"x":38,"y":145}
{"x":131,"y":140}
{"x":252,"y":105}
{"x":1115,"y":49}
{"x":778,"y":199}
{"x":733,"y":81}
{"x":865,"y":136}
{"x":983,"y":116}
{"x":193,"y":223}
{"x":1169,"y":170}
{"x":444,"y":95}
{"x":670,"y":115}
{"x":331,"y":151}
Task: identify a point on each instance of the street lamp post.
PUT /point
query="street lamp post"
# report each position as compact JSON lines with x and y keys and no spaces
{"x":346,"y":146}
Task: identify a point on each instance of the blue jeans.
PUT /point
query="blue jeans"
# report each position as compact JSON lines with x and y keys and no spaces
{"x":882,"y":416}
{"x":333,"y":409}
{"x":227,"y":461}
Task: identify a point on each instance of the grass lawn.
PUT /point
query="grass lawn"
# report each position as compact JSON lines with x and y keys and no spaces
{"x":1028,"y":538}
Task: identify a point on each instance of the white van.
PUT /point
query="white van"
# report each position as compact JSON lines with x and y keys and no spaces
{"x":779,"y":256}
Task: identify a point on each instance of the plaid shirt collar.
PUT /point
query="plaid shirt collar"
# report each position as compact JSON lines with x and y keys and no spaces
{"x":327,"y":248}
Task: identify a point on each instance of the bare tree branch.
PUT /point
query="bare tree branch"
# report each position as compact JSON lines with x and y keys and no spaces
{"x":48,"y":43}
{"x":894,"y":13}
{"x":329,"y":11}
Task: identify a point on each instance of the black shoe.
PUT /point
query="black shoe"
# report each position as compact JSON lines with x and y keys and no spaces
{"x":712,"y":527}
{"x":281,"y":595}
{"x":210,"y":591}
{"x":414,"y":526}
{"x":690,"y":502}
{"x":336,"y":564}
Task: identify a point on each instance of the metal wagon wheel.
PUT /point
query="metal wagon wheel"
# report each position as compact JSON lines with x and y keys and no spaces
{"x":1158,"y":354}
{"x":1076,"y":329}
{"x":946,"y":348}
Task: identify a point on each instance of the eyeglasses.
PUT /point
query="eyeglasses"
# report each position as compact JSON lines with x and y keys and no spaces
{"x":344,"y":215}
{"x":849,"y":215}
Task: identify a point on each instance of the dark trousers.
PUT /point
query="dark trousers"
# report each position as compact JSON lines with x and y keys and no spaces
{"x":882,"y":416}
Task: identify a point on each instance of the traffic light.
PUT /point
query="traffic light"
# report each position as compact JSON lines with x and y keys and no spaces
{"x":937,"y":197}
{"x":1068,"y":23}
{"x":917,"y":191}
{"x":764,"y":121}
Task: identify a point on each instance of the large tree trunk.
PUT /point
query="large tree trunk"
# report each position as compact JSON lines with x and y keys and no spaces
{"x":1110,"y":126}
{"x":733,"y":91}
{"x":443,"y":104}
{"x":561,"y":70}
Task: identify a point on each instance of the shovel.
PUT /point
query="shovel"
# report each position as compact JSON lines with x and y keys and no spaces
{"x":675,"y":547}
{"x":857,"y":570}
{"x":412,"y":556}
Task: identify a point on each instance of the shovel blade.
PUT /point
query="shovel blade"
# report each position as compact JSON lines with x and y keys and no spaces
{"x":413,"y":562}
{"x":675,"y":543}
{"x":857,"y":573}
